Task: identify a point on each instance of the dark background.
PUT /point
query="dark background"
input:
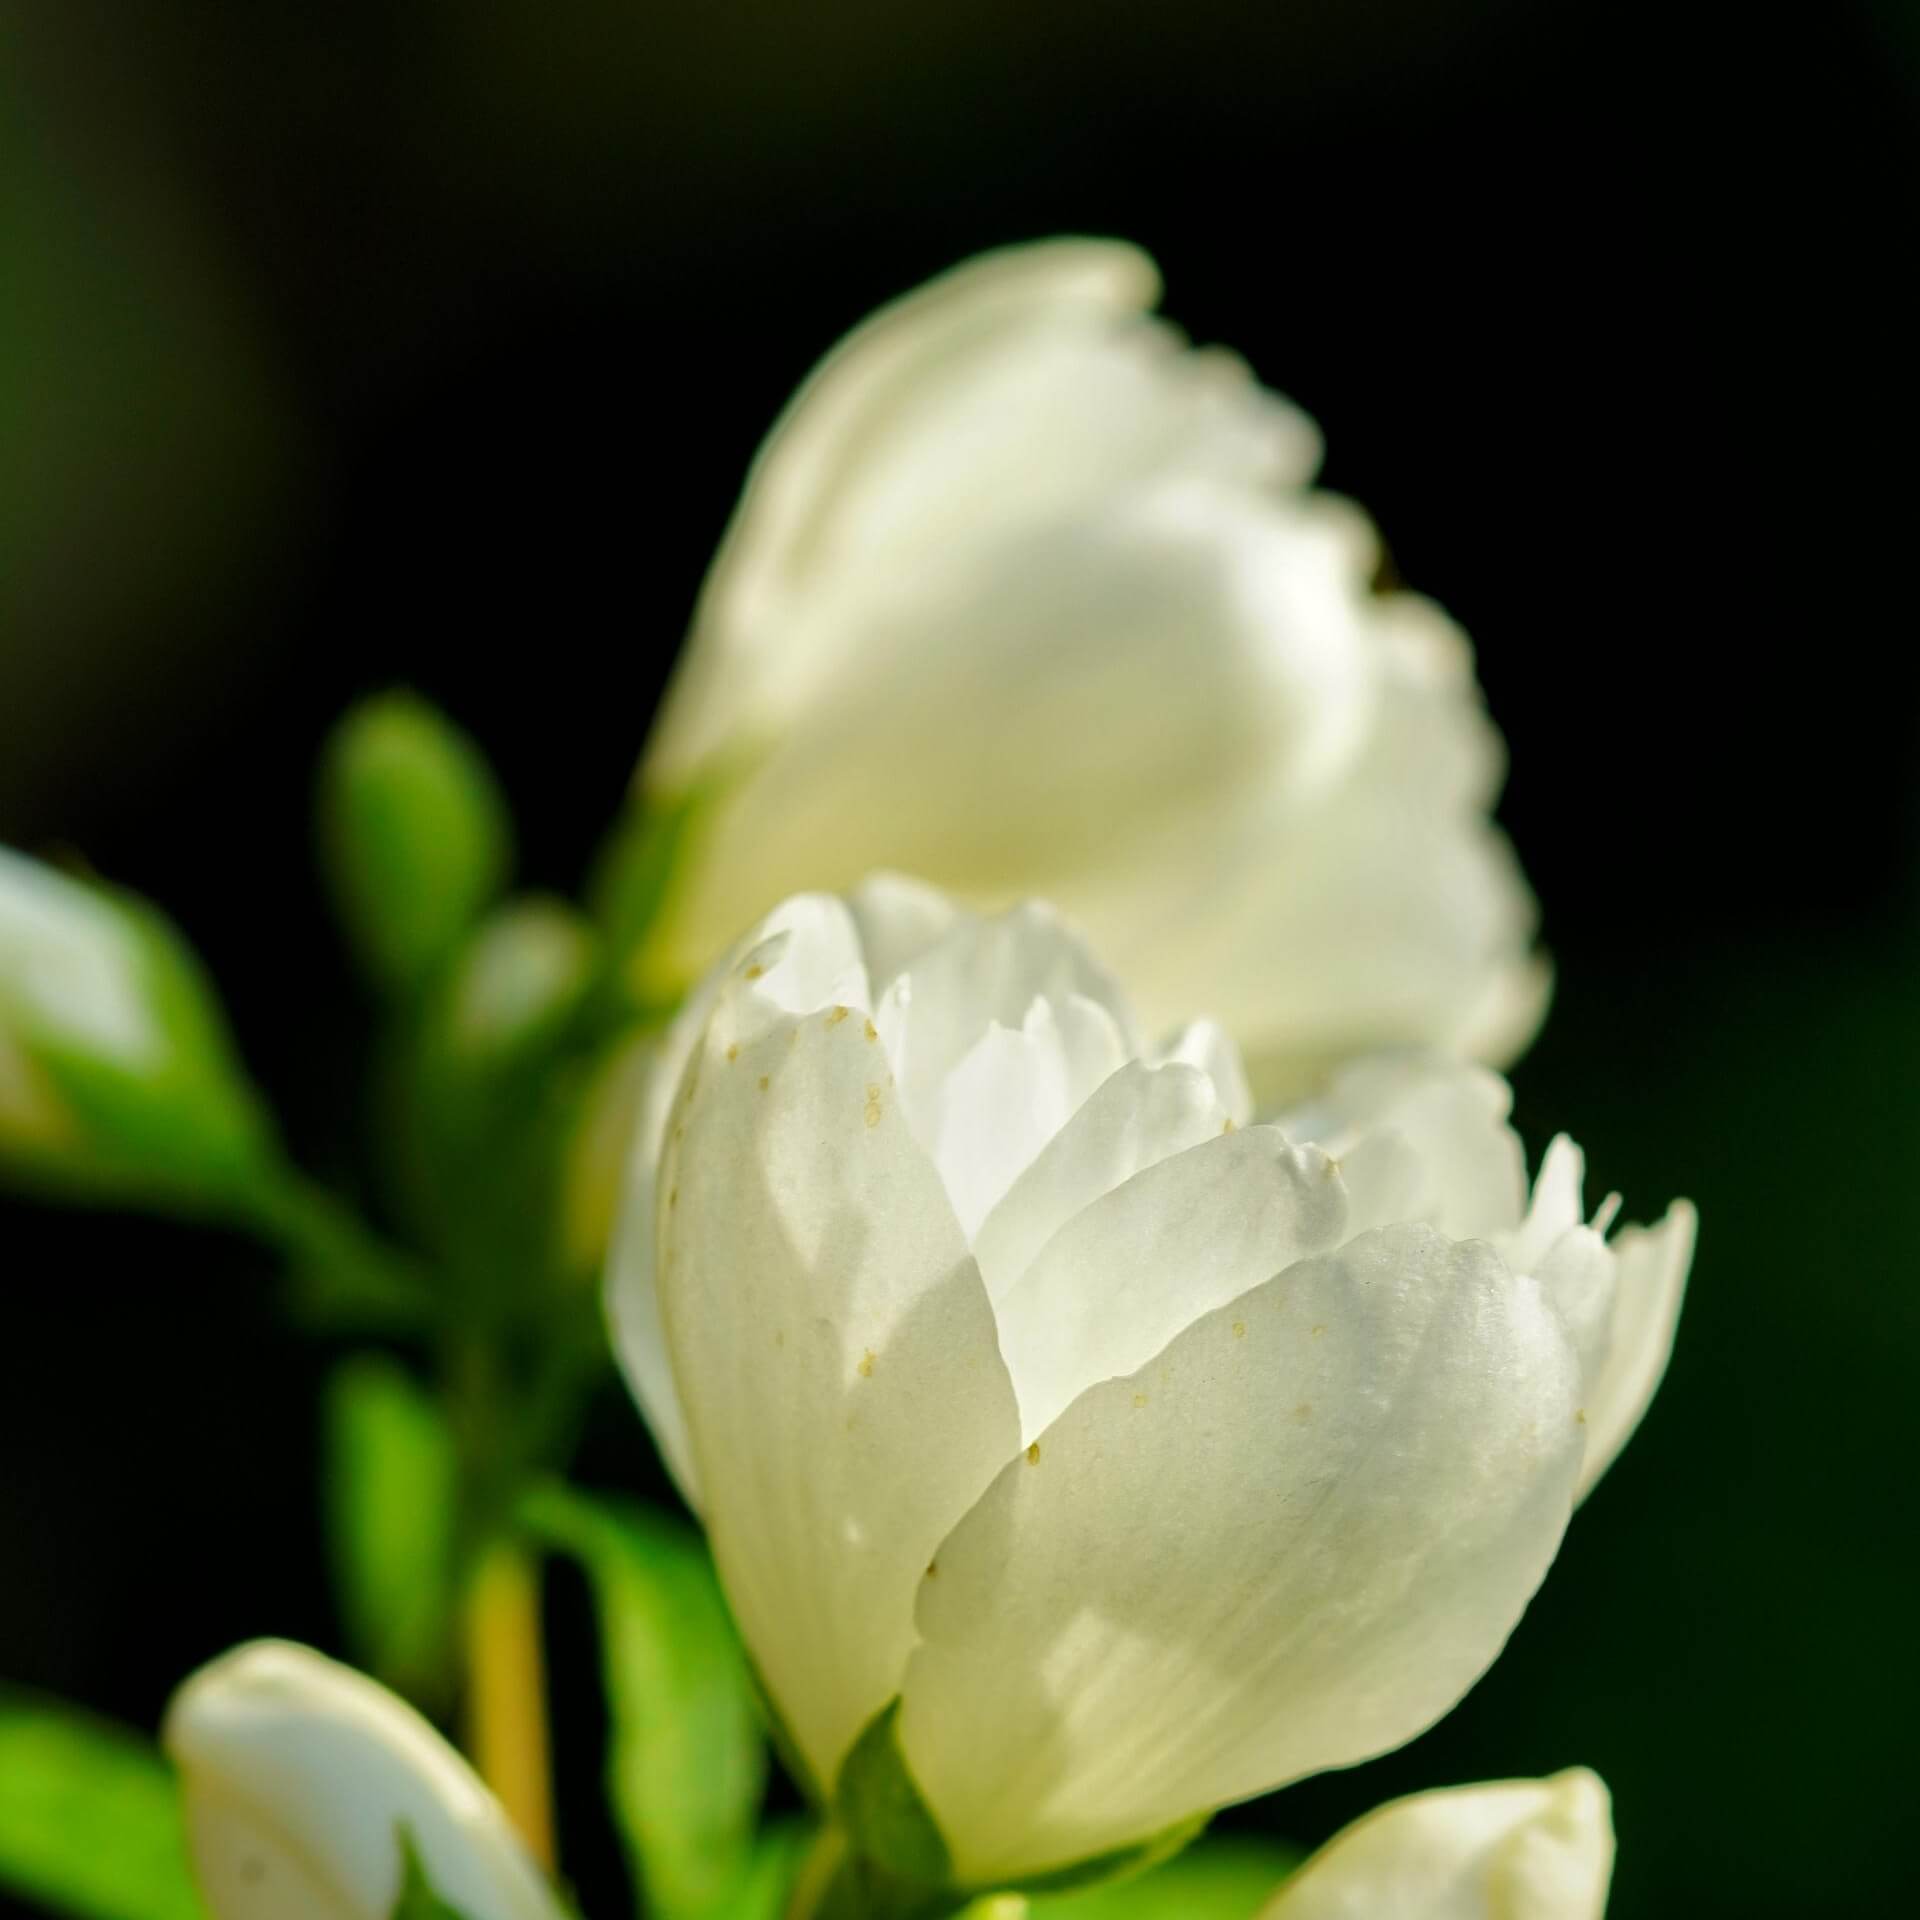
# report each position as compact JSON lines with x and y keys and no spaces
{"x":354,"y":344}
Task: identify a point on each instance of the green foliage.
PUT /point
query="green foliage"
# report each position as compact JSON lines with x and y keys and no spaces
{"x":1222,"y":1878}
{"x":418,"y":1900}
{"x":89,"y":1817}
{"x":633,"y":880}
{"x":414,"y":834}
{"x":391,"y":1488}
{"x":686,"y":1766}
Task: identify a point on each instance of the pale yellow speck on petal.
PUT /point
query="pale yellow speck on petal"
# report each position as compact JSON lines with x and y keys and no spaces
{"x":1303,"y":1413}
{"x":1033,"y":1454}
{"x":837,"y":1015}
{"x":873,"y":1032}
{"x":765,"y":1082}
{"x":1316,"y":1332}
{"x":873,"y":1106}
{"x":1239,"y":1329}
{"x":866,"y":1364}
{"x":755,"y":971}
{"x":733,"y":1052}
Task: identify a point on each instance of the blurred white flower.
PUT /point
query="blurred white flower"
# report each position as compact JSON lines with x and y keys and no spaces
{"x":305,"y":1784}
{"x":116,"y":1073}
{"x":1513,"y":1850}
{"x":1152,"y":1459}
{"x":1028,"y":597}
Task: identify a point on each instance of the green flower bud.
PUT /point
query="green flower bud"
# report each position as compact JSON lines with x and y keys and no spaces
{"x":117,"y":1076}
{"x":415,"y":836}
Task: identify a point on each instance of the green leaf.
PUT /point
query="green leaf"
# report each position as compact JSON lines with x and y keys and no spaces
{"x":1226,"y":1877}
{"x":391,"y":1490}
{"x":417,"y":1900}
{"x":686,"y":1765}
{"x":89,"y":1817}
{"x":414,"y":835}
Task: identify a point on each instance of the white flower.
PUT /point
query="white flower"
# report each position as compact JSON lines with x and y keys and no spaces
{"x":115,"y":1070}
{"x":1026,"y":596}
{"x":304,"y":1784}
{"x":1151,"y":1458}
{"x":1513,"y":1850}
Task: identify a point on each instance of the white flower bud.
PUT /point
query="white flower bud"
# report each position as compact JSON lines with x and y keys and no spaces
{"x":305,"y":1783}
{"x":1513,"y":1850}
{"x":116,"y":1074}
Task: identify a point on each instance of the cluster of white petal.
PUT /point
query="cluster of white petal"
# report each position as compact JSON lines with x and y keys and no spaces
{"x":1153,"y":1458}
{"x":1027,"y":597}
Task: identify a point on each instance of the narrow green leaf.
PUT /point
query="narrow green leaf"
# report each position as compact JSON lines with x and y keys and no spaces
{"x":89,"y":1817}
{"x":1225,"y":1877}
{"x":391,"y":1494}
{"x":686,"y":1764}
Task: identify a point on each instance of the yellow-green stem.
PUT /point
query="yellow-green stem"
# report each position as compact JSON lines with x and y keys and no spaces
{"x":507,"y":1692}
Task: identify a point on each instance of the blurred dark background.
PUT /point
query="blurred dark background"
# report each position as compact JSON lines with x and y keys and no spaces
{"x":350,"y":345}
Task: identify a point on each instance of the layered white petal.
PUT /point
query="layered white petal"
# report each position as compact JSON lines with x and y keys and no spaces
{"x":833,"y":1348}
{"x":1652,"y":1265}
{"x":1290,"y":1541}
{"x":1142,"y":1115}
{"x":1127,"y":1273}
{"x":1000,"y":396}
{"x":1421,"y":1137}
{"x":806,"y":952}
{"x":1025,"y":595}
{"x":300,"y":1779}
{"x":1512,"y":1850}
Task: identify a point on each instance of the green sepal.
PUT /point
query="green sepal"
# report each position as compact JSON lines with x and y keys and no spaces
{"x":418,"y":1900}
{"x":686,"y":1768}
{"x":896,"y":1864}
{"x":90,"y":1820}
{"x":1224,"y":1877}
{"x":1118,"y":1863}
{"x":634,"y":870}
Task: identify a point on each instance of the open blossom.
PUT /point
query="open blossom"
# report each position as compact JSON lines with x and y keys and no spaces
{"x":1027,"y":597}
{"x":1512,"y":1850}
{"x":306,"y":1784}
{"x":1148,"y":1458}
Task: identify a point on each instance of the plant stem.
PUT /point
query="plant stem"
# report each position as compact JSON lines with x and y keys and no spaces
{"x":507,"y":1693}
{"x":345,"y":1271}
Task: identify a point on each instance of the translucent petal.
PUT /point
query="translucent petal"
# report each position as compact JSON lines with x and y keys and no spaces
{"x":834,"y":1350}
{"x":1291,"y":1541}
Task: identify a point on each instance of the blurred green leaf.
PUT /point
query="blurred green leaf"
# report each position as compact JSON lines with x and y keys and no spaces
{"x":414,"y":833}
{"x":686,"y":1765}
{"x":391,"y":1490}
{"x":1223,"y":1877}
{"x":89,"y":1817}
